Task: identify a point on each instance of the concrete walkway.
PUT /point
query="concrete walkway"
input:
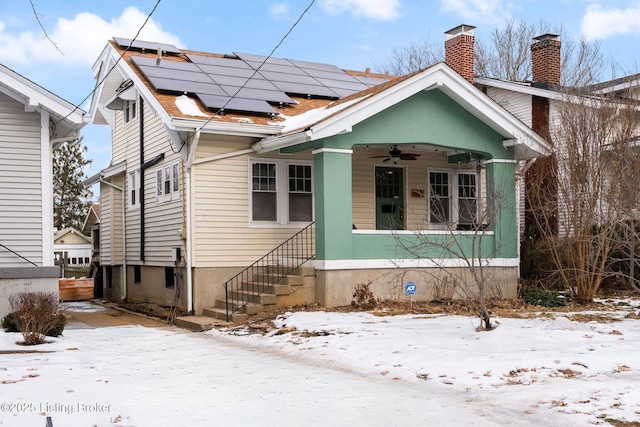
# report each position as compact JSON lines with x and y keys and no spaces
{"x":98,"y":314}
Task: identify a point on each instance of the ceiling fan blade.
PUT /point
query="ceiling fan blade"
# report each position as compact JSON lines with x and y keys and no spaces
{"x":386,"y":160}
{"x":409,"y":156}
{"x":378,"y":157}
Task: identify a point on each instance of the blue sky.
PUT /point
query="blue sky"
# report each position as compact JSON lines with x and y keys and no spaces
{"x":353,"y":34}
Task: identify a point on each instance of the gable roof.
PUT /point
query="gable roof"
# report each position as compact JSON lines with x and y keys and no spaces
{"x":340,"y":116}
{"x":33,"y":97}
{"x":306,"y":118}
{"x":70,"y":230}
{"x":150,"y":71}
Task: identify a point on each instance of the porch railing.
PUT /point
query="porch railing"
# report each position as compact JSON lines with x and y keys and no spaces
{"x":248,"y":285}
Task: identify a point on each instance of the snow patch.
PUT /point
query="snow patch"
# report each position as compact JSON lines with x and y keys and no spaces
{"x":188,"y":106}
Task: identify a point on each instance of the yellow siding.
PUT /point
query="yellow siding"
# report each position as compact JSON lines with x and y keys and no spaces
{"x":222,"y":234}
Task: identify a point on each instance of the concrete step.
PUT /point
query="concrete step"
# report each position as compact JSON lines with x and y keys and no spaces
{"x":199,"y":323}
{"x":221,"y":314}
{"x":255,"y":297}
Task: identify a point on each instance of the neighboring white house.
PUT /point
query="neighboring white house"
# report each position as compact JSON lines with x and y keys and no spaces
{"x":73,"y":247}
{"x":33,"y":123}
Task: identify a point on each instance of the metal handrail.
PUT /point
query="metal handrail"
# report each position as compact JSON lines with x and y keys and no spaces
{"x":271,"y":269}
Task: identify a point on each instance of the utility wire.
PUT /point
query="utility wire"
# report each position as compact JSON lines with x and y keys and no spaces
{"x":221,"y":109}
{"x":115,"y":64}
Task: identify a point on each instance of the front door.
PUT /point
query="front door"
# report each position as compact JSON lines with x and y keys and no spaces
{"x":389,"y":198}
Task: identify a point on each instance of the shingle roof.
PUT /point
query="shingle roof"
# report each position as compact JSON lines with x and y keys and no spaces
{"x":167,"y":99}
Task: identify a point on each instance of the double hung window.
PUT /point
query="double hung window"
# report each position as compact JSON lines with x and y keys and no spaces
{"x":281,"y":191}
{"x":453,"y":197}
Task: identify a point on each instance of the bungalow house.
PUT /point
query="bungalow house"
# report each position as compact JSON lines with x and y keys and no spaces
{"x":33,"y":123}
{"x":72,"y":248}
{"x":228,"y":168}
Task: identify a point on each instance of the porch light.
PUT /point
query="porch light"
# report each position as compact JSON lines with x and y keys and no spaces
{"x":394,"y":154}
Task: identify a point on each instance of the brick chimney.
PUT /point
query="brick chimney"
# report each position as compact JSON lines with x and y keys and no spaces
{"x":458,"y":50}
{"x":545,"y":56}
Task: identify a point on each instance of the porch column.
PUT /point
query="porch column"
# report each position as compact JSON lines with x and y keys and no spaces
{"x":501,"y":206}
{"x":332,"y":188}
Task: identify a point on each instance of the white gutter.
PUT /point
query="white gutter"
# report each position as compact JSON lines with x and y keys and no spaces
{"x":226,"y":128}
{"x":123,"y":293}
{"x":222,"y":156}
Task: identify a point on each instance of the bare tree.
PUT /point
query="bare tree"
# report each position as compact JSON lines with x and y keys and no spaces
{"x":507,"y":55}
{"x":467,"y":242}
{"x":596,"y":175}
{"x":414,"y":56}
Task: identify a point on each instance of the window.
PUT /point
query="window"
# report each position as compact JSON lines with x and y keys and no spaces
{"x":448,"y":205}
{"x":134,"y":189}
{"x":467,"y":199}
{"x":439,"y":200}
{"x":300,"y":194}
{"x":129,"y":111}
{"x":169,"y":277}
{"x":137,"y":274}
{"x":168,"y":183}
{"x":281,"y":191}
{"x":86,"y":260}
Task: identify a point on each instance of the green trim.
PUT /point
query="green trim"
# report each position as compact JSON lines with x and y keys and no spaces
{"x":332,"y":186}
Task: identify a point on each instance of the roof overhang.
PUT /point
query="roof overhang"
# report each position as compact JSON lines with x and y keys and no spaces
{"x":35,"y":97}
{"x":106,"y":173}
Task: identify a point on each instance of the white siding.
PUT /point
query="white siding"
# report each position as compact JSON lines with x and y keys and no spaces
{"x":21,"y":220}
{"x":162,"y":220}
{"x":518,"y":104}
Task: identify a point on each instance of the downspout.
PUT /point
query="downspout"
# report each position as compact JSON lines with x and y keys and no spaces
{"x":123,"y":273}
{"x":141,"y":179}
{"x":189,"y":225}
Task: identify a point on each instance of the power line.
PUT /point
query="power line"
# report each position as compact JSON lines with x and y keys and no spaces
{"x":221,"y":109}
{"x":115,"y":64}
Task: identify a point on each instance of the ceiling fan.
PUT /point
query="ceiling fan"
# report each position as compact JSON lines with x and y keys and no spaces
{"x":396,"y":155}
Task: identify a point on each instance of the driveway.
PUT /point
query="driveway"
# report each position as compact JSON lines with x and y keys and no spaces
{"x":98,"y":314}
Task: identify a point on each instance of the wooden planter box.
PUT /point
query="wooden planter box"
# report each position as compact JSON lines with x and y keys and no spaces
{"x":75,"y":289}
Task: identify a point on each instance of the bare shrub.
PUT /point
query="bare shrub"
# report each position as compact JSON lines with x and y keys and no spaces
{"x":363,"y":296}
{"x":35,"y":314}
{"x":444,"y":290}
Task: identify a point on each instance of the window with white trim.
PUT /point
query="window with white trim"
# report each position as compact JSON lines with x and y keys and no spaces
{"x":168,"y":182}
{"x":453,"y":197}
{"x":134,"y":189}
{"x":281,"y":191}
{"x":129,"y":111}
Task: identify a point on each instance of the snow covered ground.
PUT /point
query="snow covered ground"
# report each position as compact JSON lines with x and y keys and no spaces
{"x":329,"y":369}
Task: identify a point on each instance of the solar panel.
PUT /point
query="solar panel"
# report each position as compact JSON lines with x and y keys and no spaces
{"x":248,"y":82}
{"x":260,"y":59}
{"x":369,"y":81}
{"x":163,"y":63}
{"x":186,"y":86}
{"x":145,"y":45}
{"x":301,"y":89}
{"x":316,"y":66}
{"x":236,"y":104}
{"x":354,"y":85}
{"x":277,"y":68}
{"x":258,"y":94}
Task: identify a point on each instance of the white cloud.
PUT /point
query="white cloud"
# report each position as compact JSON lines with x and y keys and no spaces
{"x":380,"y":10}
{"x":600,"y":24}
{"x":80,"y":39}
{"x":472,"y":11}
{"x":279,"y":11}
